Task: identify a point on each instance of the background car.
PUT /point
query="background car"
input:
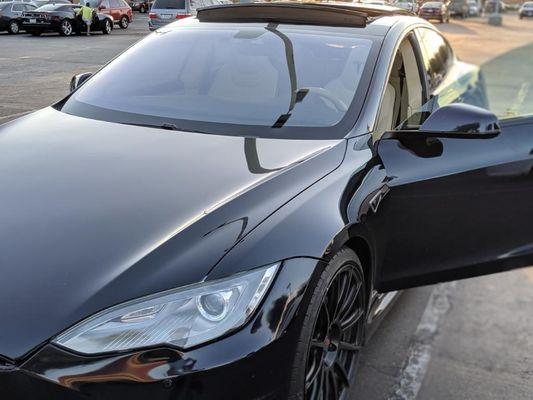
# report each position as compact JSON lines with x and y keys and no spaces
{"x":119,"y":10}
{"x":409,"y":5}
{"x":459,"y":8}
{"x":143,"y":6}
{"x":526,"y":10}
{"x":40,"y":3}
{"x":11,"y":15}
{"x":473,"y":8}
{"x":492,"y":6}
{"x":64,"y":19}
{"x":435,"y":10}
{"x":165,"y":11}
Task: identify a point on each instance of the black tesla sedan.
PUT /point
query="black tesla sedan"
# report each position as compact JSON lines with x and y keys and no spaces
{"x":236,"y":225}
{"x":64,"y":19}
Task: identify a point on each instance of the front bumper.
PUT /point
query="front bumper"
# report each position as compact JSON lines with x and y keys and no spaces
{"x":253,"y":363}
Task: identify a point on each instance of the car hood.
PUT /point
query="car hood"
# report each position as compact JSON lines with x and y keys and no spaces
{"x":95,"y":213}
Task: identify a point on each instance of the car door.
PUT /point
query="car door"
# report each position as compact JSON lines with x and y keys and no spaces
{"x":456,"y":205}
{"x":115,"y":8}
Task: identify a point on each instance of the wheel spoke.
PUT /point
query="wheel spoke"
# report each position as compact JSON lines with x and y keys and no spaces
{"x":334,"y":385}
{"x":318,"y":344}
{"x":352,"y":320}
{"x":349,"y":346}
{"x":349,"y":303}
{"x":341,"y":373}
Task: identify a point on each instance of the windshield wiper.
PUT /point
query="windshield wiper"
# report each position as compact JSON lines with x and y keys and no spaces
{"x":166,"y":126}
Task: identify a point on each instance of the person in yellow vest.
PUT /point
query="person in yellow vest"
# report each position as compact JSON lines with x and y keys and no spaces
{"x":86,"y":13}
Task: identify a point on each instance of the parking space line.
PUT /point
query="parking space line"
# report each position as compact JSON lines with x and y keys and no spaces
{"x":415,"y":368}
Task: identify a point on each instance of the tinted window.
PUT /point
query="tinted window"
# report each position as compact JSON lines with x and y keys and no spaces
{"x":115,"y":4}
{"x":169,"y":4}
{"x":438,"y":57}
{"x":18,"y":7}
{"x":215,"y":78}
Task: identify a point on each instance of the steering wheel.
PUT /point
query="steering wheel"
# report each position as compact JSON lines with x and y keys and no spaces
{"x":326,"y":94}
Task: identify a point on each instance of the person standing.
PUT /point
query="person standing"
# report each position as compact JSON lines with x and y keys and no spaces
{"x":86,"y":13}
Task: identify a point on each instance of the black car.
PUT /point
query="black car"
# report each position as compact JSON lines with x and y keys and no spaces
{"x":236,"y":226}
{"x":438,"y":10}
{"x":143,"y":6}
{"x":64,"y":19}
{"x":11,"y":14}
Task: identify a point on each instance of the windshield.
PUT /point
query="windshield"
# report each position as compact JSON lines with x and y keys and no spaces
{"x":238,"y":80}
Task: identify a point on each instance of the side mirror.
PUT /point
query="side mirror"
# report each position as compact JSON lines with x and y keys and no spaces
{"x":78,"y":80}
{"x":461,"y":119}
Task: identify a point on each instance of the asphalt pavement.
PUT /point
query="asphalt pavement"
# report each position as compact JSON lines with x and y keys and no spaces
{"x":470,"y":339}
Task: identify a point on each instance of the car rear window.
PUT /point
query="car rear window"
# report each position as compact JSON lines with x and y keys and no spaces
{"x":237,"y":80}
{"x":169,"y":4}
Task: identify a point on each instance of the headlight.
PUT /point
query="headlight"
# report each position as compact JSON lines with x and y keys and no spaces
{"x":183,"y":317}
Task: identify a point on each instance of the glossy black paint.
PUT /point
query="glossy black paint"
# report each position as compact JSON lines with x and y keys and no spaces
{"x":255,"y":357}
{"x":96,"y":213}
{"x":50,"y":21}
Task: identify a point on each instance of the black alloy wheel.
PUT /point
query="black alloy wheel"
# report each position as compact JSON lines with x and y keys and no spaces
{"x":13,"y":27}
{"x":124,"y":22}
{"x":337,"y":335}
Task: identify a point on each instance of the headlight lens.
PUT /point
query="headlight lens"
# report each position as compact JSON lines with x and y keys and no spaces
{"x":183,"y":317}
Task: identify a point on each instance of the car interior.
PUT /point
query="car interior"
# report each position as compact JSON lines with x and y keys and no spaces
{"x":403,"y":93}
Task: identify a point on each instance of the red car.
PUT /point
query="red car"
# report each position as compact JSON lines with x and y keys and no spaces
{"x":119,"y":10}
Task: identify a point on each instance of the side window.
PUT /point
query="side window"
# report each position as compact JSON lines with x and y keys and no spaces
{"x":438,"y":56}
{"x":17,"y":7}
{"x":404,"y":92}
{"x":105,"y":3}
{"x":29,"y":7}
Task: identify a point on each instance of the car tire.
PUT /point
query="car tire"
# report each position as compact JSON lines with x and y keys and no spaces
{"x":124,"y":22}
{"x":107,"y":28}
{"x":66,"y":28}
{"x":13,"y":27}
{"x":333,"y":331}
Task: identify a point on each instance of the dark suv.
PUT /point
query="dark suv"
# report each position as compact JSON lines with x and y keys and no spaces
{"x":11,"y":14}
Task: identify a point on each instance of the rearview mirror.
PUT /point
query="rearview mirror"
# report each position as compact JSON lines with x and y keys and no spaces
{"x":461,"y":119}
{"x":78,"y":80}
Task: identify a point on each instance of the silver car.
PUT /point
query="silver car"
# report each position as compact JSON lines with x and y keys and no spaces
{"x":164,"y":12}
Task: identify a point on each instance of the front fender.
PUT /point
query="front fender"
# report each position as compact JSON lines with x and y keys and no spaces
{"x":319,"y":220}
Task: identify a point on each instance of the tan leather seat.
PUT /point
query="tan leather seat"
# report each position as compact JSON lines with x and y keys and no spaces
{"x":386,"y":117}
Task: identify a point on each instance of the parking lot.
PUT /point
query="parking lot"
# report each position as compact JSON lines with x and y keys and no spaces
{"x":465,"y":340}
